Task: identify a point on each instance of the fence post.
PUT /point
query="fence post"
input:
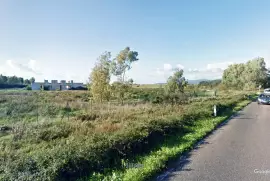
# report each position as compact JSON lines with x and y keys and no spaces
{"x":215,"y":110}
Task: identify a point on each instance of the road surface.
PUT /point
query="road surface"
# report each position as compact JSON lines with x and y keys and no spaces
{"x":238,"y":150}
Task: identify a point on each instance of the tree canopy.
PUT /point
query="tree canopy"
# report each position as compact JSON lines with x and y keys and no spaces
{"x":246,"y":76}
{"x":176,"y":83}
{"x":100,"y":78}
{"x":122,"y":63}
{"x":13,"y":80}
{"x":209,"y":83}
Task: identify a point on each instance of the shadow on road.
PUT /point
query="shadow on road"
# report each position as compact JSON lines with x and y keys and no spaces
{"x":240,"y":115}
{"x":177,"y":166}
{"x":180,"y":165}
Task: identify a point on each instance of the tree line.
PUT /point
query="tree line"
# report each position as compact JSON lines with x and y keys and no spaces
{"x":247,"y":76}
{"x":100,"y":84}
{"x":243,"y":76}
{"x":210,"y":83}
{"x":14,"y":80}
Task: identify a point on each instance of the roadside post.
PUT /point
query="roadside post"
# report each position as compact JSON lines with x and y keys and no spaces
{"x":215,"y":110}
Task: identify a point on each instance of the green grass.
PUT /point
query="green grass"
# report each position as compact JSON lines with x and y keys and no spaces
{"x":96,"y":137}
{"x":172,"y":148}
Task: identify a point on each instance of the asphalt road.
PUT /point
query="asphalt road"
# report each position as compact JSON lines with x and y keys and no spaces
{"x":238,"y":150}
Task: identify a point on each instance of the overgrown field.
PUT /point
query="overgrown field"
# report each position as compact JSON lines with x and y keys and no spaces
{"x":44,"y":138}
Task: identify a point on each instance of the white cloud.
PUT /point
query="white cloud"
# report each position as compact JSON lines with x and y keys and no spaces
{"x":32,"y":64}
{"x":12,"y":67}
{"x":180,"y":66}
{"x":193,"y":70}
{"x":167,"y":67}
{"x":222,"y":65}
{"x":211,"y":71}
{"x":166,"y":71}
{"x":21,"y":67}
{"x":267,"y":64}
{"x":204,"y":74}
{"x":159,"y":71}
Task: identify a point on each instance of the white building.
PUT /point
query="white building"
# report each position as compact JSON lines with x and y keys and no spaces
{"x":54,"y":85}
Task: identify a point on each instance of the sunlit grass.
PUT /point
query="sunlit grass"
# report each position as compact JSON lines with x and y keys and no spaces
{"x":94,"y":138}
{"x":172,"y":148}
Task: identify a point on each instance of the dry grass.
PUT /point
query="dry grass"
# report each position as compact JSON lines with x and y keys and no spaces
{"x":84,"y":140}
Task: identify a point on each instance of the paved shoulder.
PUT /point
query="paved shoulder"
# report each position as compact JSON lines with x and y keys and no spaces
{"x":239,"y":150}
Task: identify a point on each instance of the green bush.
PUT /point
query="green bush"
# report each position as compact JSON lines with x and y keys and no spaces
{"x":28,"y":87}
{"x":87,"y":117}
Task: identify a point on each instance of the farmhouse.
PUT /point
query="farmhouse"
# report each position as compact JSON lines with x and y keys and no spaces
{"x":54,"y":85}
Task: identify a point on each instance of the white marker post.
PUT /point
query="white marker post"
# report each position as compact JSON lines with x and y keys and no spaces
{"x":215,"y":110}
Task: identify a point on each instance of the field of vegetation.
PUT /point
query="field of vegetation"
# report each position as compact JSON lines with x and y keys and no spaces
{"x":115,"y":131}
{"x":66,"y":136}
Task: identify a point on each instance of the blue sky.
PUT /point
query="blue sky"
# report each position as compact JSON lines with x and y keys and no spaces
{"x":61,"y":39}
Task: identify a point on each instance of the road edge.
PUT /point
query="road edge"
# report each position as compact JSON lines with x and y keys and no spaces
{"x":177,"y":163}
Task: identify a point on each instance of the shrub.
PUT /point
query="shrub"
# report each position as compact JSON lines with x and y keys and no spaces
{"x":28,"y":87}
{"x":87,"y":117}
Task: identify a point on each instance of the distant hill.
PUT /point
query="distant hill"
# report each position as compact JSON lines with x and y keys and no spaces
{"x":196,"y":81}
{"x":157,"y":85}
{"x":190,"y":81}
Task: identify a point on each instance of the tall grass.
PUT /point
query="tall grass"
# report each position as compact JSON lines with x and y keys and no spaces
{"x":95,"y":138}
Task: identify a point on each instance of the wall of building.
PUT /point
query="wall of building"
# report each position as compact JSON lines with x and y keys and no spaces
{"x":77,"y":85}
{"x":55,"y":86}
{"x":35,"y":86}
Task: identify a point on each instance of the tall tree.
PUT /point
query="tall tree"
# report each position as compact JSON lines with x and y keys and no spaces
{"x":174,"y":89}
{"x":209,"y":83}
{"x":32,"y":80}
{"x":3,"y":79}
{"x":20,"y":80}
{"x":100,"y":78}
{"x":27,"y":82}
{"x":232,"y":76}
{"x":176,"y":83}
{"x":246,"y":76}
{"x":13,"y":80}
{"x":119,"y":90}
{"x":120,"y":65}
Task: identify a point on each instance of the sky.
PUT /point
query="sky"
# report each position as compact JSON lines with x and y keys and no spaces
{"x":62,"y":39}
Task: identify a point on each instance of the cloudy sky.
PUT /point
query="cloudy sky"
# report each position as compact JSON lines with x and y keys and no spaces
{"x":61,"y":39}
